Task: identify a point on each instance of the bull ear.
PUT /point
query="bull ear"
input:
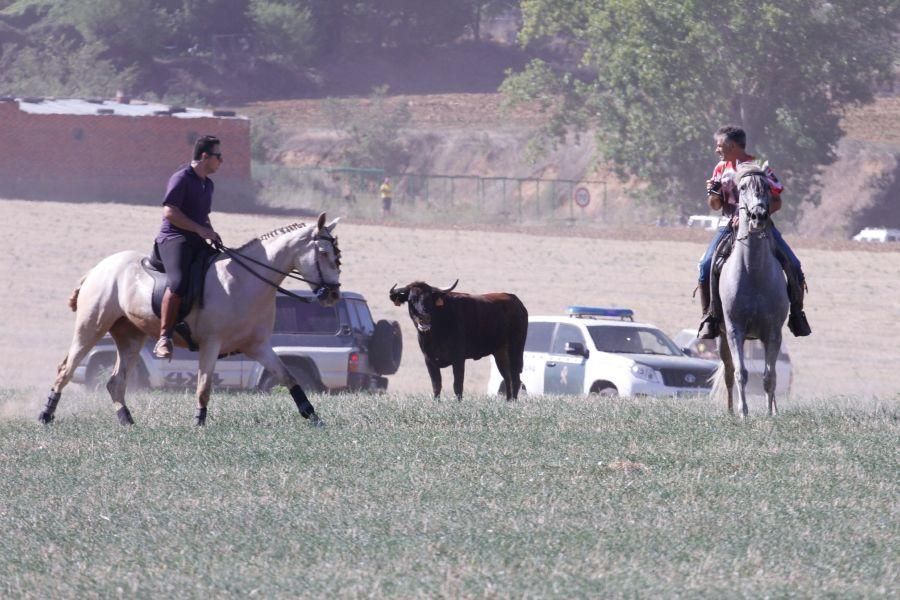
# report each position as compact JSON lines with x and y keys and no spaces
{"x":321,"y":222}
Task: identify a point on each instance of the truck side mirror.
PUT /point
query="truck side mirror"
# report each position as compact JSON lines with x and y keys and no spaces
{"x":576,"y":349}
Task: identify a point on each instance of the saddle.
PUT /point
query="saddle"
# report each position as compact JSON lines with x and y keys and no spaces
{"x":194,"y":294}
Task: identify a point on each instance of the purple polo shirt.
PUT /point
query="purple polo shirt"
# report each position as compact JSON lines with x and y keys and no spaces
{"x":192,"y":195}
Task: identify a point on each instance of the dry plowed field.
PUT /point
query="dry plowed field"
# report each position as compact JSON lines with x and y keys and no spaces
{"x":852,"y":304}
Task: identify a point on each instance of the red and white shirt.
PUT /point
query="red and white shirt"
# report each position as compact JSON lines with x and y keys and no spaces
{"x":726,"y":173}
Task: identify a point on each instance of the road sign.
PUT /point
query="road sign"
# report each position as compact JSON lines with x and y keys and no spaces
{"x":582,"y":196}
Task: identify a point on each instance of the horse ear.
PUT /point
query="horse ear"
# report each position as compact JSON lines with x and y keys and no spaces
{"x":321,"y":222}
{"x":330,"y":227}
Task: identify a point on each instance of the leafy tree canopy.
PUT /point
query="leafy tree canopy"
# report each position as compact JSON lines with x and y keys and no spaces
{"x":656,"y":79}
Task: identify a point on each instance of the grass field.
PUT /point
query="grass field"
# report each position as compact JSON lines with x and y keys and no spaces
{"x":404,"y":496}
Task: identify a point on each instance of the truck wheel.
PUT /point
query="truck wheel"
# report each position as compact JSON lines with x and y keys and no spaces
{"x":302,"y":373}
{"x":604,"y":390}
{"x":306,"y":377}
{"x":386,"y":347}
{"x":99,"y":372}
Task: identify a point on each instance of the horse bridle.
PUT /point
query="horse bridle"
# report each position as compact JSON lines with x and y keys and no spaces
{"x":322,"y":287}
{"x":765,"y":231}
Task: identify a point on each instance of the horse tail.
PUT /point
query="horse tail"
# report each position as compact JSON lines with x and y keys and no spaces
{"x":718,"y":392}
{"x":73,"y":299}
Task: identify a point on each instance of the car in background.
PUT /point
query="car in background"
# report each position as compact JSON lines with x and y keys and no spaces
{"x":326,"y":349}
{"x":706,"y":222}
{"x":877,"y":234}
{"x":754,"y":359}
{"x":602,"y":351}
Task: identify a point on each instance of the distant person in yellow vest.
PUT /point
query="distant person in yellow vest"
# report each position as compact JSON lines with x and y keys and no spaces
{"x":387,"y":193}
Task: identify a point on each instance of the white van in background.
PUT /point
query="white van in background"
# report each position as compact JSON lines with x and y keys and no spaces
{"x":706,"y":222}
{"x":877,"y":234}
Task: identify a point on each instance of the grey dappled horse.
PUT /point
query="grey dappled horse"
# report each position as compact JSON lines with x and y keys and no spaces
{"x":753,"y":292}
{"x":237,"y":316}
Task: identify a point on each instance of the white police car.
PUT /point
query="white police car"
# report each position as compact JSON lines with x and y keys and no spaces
{"x":602,"y":351}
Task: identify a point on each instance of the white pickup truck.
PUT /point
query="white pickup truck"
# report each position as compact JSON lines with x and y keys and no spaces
{"x":326,"y":349}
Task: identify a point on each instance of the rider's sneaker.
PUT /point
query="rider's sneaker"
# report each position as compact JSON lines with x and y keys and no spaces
{"x":798,"y":324}
{"x":709,"y":328}
{"x":163,"y":347}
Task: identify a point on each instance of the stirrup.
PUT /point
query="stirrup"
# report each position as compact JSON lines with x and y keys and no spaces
{"x":163,"y":347}
{"x":709,"y":328}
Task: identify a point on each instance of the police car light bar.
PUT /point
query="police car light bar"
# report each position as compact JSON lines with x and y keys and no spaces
{"x":599,"y":312}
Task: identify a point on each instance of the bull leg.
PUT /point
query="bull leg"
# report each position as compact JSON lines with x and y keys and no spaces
{"x":501,"y":357}
{"x":271,"y":362}
{"x":129,"y":340}
{"x":459,"y":375}
{"x":435,"y":373}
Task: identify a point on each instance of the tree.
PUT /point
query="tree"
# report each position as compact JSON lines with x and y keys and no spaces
{"x":373,"y":129}
{"x":285,"y":29}
{"x":660,"y":77}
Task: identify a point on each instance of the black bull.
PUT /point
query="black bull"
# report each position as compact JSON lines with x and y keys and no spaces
{"x":453,"y":327}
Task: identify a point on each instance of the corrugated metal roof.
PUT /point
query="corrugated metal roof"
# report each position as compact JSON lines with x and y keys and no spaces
{"x":80,"y":106}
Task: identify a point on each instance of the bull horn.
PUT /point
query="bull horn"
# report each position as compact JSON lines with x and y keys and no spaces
{"x":449,"y":289}
{"x":398,"y":297}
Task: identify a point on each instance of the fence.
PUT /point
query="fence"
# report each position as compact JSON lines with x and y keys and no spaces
{"x":431,"y":198}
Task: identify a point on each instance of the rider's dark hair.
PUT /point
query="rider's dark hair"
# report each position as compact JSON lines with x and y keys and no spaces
{"x":733,"y":133}
{"x":206,"y":144}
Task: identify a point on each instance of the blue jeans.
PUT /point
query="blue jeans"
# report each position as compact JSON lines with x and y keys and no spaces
{"x":783,"y":253}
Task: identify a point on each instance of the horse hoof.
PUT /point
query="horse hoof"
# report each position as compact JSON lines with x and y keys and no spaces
{"x":316,"y":421}
{"x":124,"y":416}
{"x":46,"y":417}
{"x":200,"y":417}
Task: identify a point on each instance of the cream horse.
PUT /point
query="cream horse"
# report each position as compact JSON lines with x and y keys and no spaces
{"x":237,"y":316}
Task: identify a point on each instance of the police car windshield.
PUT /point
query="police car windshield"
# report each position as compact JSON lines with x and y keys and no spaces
{"x":632,"y":340}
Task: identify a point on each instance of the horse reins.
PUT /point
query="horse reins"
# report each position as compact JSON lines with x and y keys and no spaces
{"x":293,"y":274}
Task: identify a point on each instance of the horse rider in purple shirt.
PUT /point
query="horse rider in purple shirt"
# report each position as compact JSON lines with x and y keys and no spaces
{"x":185,"y":227}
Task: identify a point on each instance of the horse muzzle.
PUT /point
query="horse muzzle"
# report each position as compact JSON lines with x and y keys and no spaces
{"x":758,"y":220}
{"x":328,"y":295}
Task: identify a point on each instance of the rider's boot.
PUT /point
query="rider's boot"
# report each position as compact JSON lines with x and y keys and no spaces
{"x":709,"y":326}
{"x":171,"y":302}
{"x":797,"y":322}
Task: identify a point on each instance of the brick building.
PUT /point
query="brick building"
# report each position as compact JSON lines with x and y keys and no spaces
{"x":114,"y":151}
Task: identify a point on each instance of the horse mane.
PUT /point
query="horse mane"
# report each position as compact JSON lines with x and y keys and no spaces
{"x":274,"y":233}
{"x":750,"y":168}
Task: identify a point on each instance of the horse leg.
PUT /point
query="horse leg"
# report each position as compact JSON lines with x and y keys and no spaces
{"x":129,"y":340}
{"x":459,"y":375}
{"x":206,"y":368}
{"x":271,"y":362}
{"x":501,"y":357}
{"x":84,"y":339}
{"x":727,"y":370}
{"x":770,"y":375}
{"x":736,"y":345}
